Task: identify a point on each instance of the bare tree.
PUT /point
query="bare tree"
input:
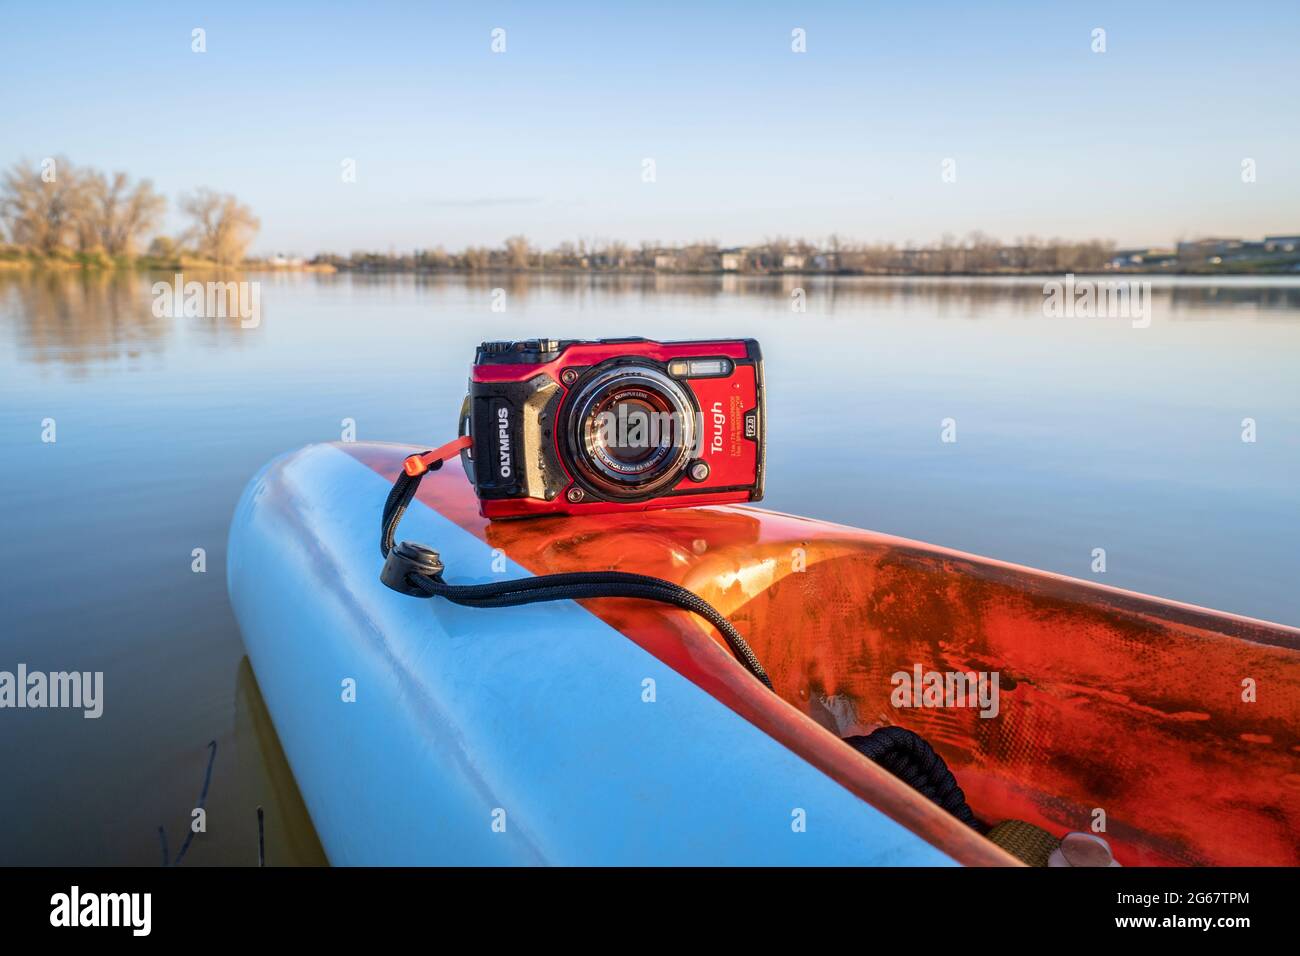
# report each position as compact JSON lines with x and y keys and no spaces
{"x":477,"y":258}
{"x":42,"y":207}
{"x":616,"y":254}
{"x":434,"y":258}
{"x":771,"y":254}
{"x":163,"y":247}
{"x":700,"y":256}
{"x":221,"y":226}
{"x":117,"y":214}
{"x":565,"y":255}
{"x":518,"y":255}
{"x":876,"y":257}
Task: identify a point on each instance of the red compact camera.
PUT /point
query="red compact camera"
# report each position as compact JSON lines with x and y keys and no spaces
{"x":576,"y":427}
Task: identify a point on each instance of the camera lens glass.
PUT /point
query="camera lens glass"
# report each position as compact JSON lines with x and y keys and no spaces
{"x":632,"y":430}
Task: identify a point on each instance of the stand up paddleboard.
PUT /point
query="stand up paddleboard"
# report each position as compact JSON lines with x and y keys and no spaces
{"x":617,"y":731}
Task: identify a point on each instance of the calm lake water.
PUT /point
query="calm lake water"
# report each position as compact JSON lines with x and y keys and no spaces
{"x":1072,"y":434}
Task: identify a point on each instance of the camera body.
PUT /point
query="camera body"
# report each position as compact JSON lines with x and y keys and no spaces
{"x":565,"y":426}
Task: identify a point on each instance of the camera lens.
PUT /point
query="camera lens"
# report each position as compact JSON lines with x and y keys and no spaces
{"x":632,"y":429}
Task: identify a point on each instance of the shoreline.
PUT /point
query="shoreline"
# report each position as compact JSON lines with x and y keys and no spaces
{"x":26,"y":262}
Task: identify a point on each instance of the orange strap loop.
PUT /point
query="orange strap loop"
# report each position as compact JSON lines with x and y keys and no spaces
{"x":417,"y":465}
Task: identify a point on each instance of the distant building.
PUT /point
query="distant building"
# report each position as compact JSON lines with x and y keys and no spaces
{"x":915,"y":259}
{"x":792,"y":262}
{"x":666,"y":262}
{"x":733,"y":260}
{"x":1277,"y":244}
{"x":1128,"y":258}
{"x":1211,"y":249}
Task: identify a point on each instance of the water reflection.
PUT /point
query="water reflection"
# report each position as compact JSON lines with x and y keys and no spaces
{"x":81,"y":318}
{"x":1198,"y":300}
{"x":825,"y":293}
{"x":85,"y":318}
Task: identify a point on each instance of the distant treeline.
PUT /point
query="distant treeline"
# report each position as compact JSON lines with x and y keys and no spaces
{"x":977,"y":254}
{"x":57,"y":211}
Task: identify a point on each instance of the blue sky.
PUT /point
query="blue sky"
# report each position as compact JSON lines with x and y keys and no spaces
{"x":455,"y":145}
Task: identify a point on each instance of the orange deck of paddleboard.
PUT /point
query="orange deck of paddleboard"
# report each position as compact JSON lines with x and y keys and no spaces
{"x":1172,"y":727}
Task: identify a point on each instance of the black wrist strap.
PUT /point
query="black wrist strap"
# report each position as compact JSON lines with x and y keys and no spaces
{"x":416,"y":570}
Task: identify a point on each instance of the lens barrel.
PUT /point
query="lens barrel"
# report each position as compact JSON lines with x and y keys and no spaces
{"x":632,"y":430}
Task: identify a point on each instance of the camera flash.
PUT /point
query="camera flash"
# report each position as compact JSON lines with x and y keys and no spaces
{"x":698,"y":368}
